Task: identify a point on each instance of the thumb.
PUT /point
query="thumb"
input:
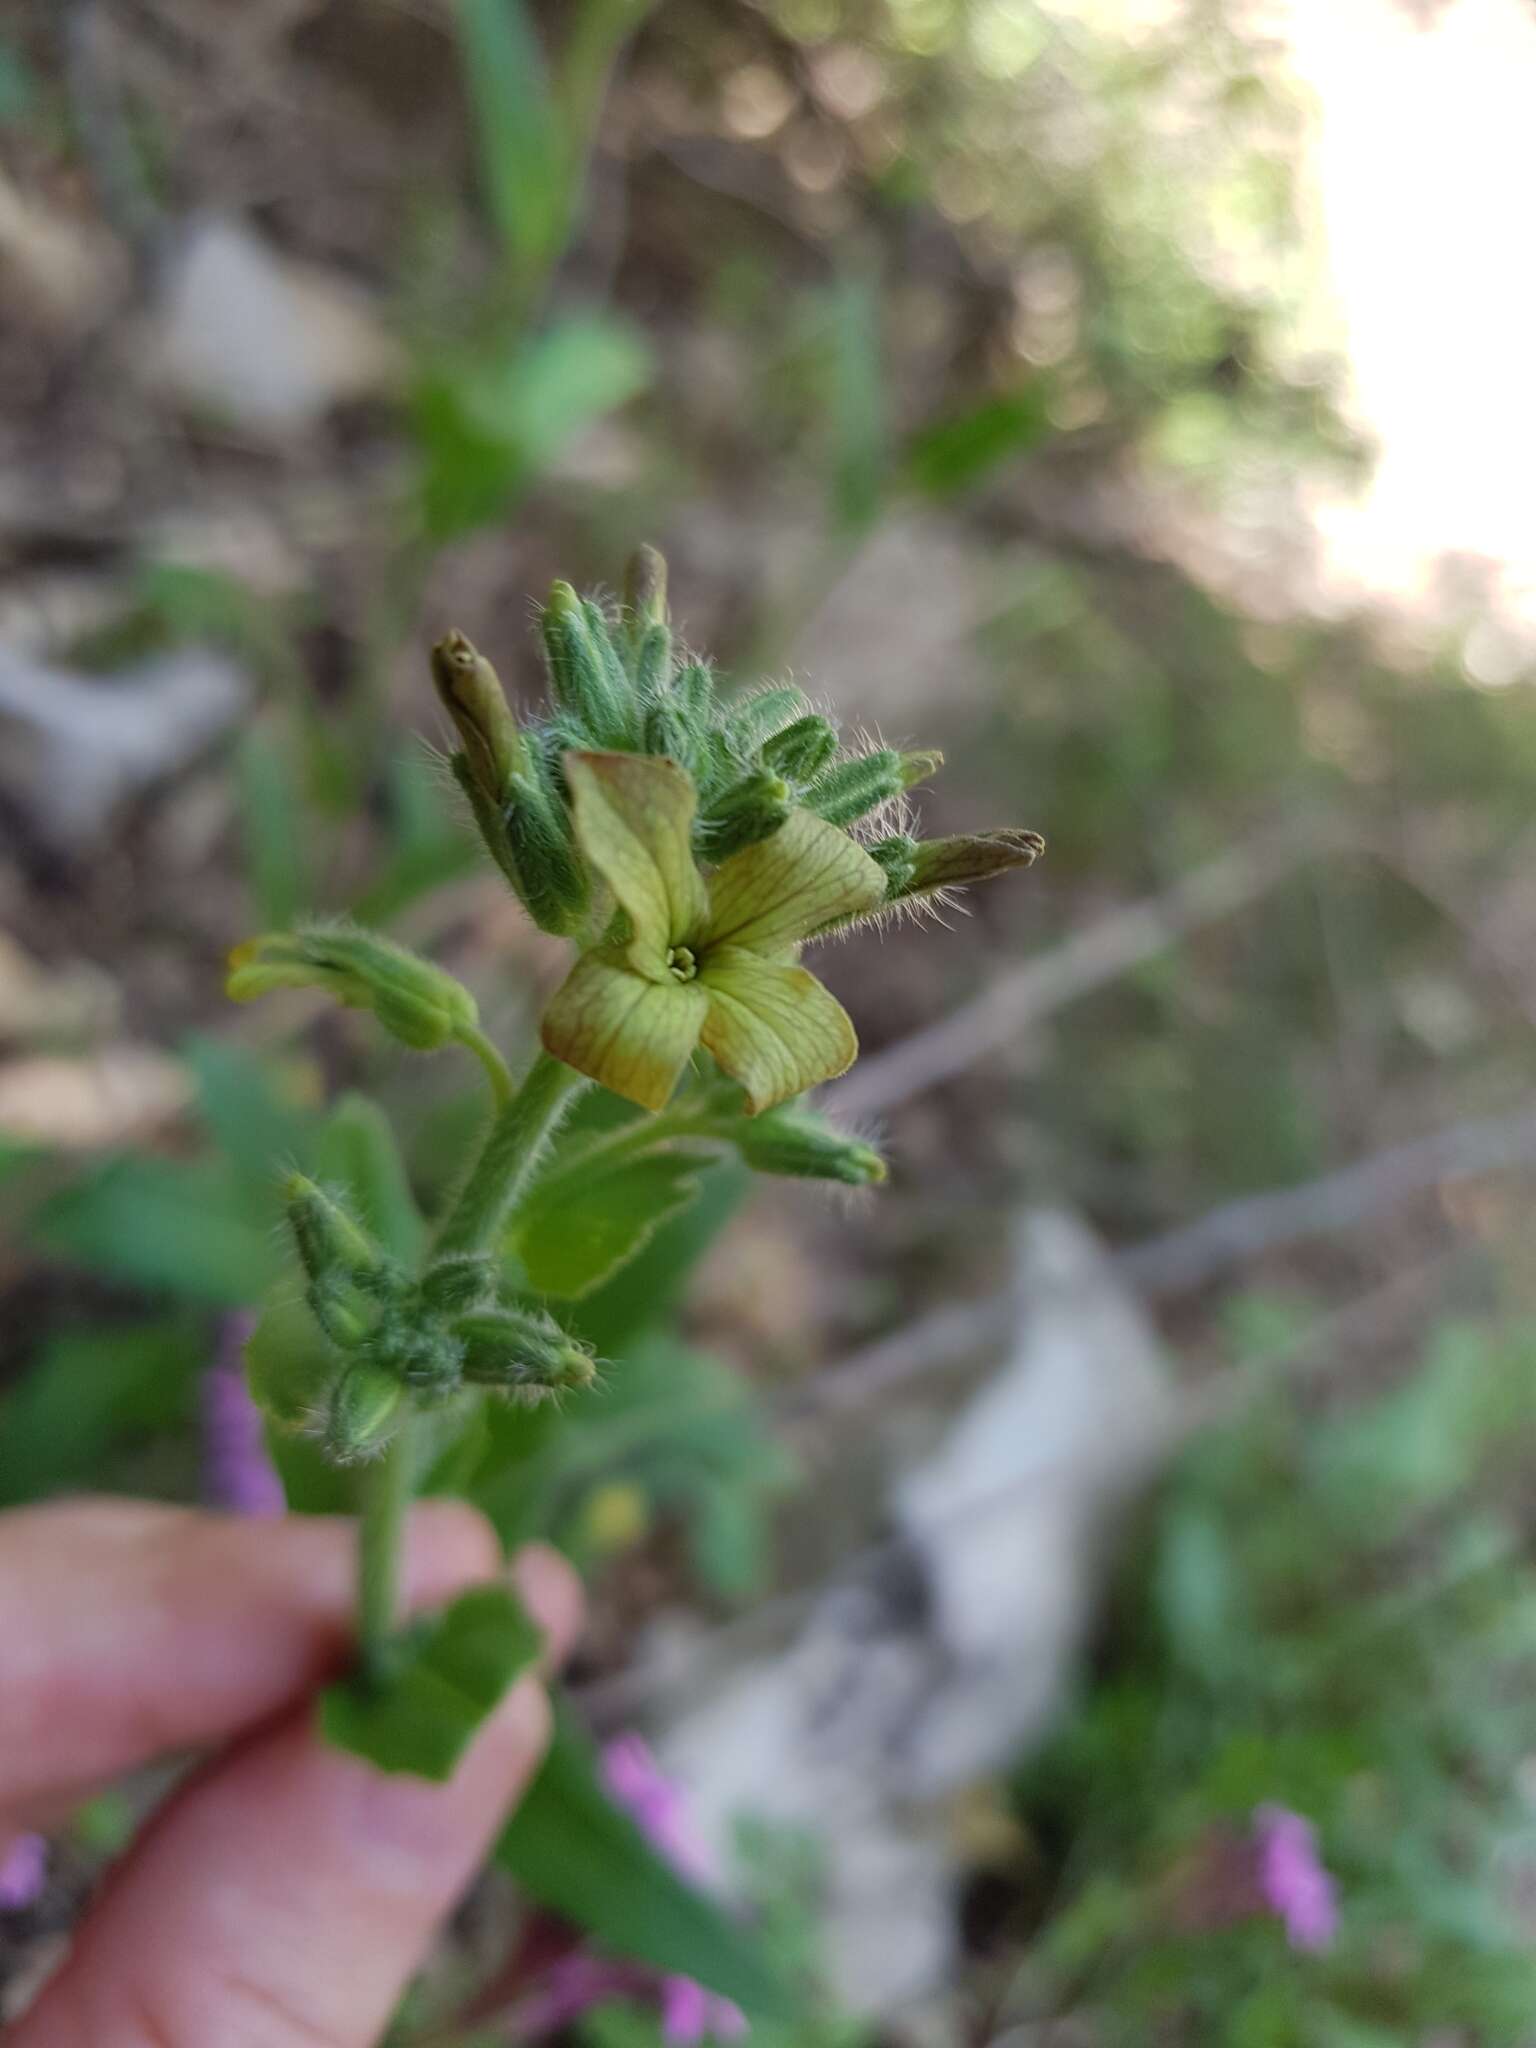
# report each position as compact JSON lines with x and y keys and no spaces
{"x":285,"y":1898}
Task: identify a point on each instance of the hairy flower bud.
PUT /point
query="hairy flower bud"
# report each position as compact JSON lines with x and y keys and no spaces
{"x":521,"y":1351}
{"x":366,"y":1407}
{"x":413,"y":1000}
{"x":747,"y":811}
{"x":645,"y":587}
{"x":898,"y":856}
{"x":472,"y":695}
{"x":331,"y":1243}
{"x":457,"y":1280}
{"x":846,"y":792}
{"x":758,"y":717}
{"x":799,"y":1143}
{"x":585,"y":672}
{"x":970,"y":857}
{"x":921,"y":766}
{"x":802,"y":749}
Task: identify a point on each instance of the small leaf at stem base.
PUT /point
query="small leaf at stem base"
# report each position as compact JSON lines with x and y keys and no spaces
{"x":451,"y":1671}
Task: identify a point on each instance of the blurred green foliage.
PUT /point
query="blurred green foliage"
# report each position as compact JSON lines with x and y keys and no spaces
{"x":1336,"y":1612}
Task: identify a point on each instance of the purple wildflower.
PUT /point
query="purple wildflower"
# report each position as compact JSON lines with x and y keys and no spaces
{"x":1293,"y":1880}
{"x":237,"y":1470}
{"x":689,"y":2013}
{"x":23,"y":1868}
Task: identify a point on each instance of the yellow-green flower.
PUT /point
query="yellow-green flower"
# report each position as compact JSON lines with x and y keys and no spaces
{"x":706,"y":960}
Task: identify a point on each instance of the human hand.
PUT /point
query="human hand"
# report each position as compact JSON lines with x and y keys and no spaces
{"x":286,"y":1892}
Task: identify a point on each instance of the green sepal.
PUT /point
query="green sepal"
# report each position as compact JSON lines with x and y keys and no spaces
{"x":851,"y":789}
{"x":756,"y":718}
{"x":367,"y":1406}
{"x":799,"y":1143}
{"x":447,"y":1675}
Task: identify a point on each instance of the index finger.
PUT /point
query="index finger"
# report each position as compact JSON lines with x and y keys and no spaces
{"x":128,"y":1630}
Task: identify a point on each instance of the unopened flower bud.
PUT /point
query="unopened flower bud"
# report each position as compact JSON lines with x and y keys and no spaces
{"x":898,"y":856}
{"x":651,"y":661}
{"x":519,"y":1350}
{"x":756,"y":718}
{"x":801,"y":750}
{"x":669,"y":731}
{"x":586,"y":675}
{"x":846,"y":792}
{"x":920,"y":766}
{"x":695,"y":692}
{"x":457,"y":1281}
{"x":645,"y":587}
{"x":970,"y":857}
{"x":331,"y":1242}
{"x":749,"y":810}
{"x":413,"y":1000}
{"x":799,"y":1143}
{"x":474,"y":699}
{"x":367,"y":1406}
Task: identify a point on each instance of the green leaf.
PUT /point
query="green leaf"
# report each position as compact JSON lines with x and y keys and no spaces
{"x":454,"y":1669}
{"x":188,"y":1230}
{"x":646,"y":1291}
{"x":357,"y":1149}
{"x":257,"y":1129}
{"x":90,"y":1392}
{"x":273,"y":828}
{"x":522,"y":156}
{"x":579,"y":1226}
{"x":574,"y":1851}
{"x":489,"y":425}
{"x":949,"y":458}
{"x":289,"y":1364}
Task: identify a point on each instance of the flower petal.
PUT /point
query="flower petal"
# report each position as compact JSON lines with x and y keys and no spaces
{"x":634,"y":823}
{"x":632,"y":1035}
{"x":787,"y":886}
{"x":774,"y":1029}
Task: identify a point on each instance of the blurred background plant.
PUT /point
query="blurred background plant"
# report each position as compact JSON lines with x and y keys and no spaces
{"x":982,"y":363}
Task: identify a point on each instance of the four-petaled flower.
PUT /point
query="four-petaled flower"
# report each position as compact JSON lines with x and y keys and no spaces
{"x":704,"y":960}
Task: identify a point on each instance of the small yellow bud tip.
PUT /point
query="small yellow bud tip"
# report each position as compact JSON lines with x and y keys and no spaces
{"x":243,"y":954}
{"x":874,"y":1168}
{"x":563,"y":600}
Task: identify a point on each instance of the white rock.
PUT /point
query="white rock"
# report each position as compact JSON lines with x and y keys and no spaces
{"x":88,"y":743}
{"x":947,"y":1653}
{"x":260,"y":339}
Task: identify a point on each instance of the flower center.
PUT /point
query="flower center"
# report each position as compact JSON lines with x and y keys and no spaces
{"x":681,"y":964}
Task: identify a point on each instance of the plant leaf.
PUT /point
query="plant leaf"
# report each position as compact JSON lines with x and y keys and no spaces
{"x":188,"y":1230}
{"x":578,"y":1227}
{"x":357,"y":1148}
{"x":774,"y":1029}
{"x":89,"y":1391}
{"x":802,"y":877}
{"x":948,"y":458}
{"x":454,"y":1670}
{"x":256,"y":1128}
{"x":573,"y":1850}
{"x":632,"y":1035}
{"x":522,"y":158}
{"x":634,"y":823}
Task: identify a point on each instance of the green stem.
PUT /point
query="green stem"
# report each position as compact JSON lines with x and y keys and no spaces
{"x":497,"y":1071}
{"x":386,"y":1497}
{"x":517,"y":1137}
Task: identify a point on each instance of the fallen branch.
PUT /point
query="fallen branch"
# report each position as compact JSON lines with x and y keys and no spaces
{"x":1244,"y":1229}
{"x":1090,"y":960}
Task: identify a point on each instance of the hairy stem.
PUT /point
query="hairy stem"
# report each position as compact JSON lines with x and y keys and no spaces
{"x":521,"y":1129}
{"x":386,"y":1496}
{"x":496,"y":1070}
